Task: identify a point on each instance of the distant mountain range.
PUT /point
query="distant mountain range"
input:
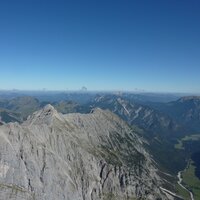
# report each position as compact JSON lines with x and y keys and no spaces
{"x":9,"y":116}
{"x":23,"y":106}
{"x":146,"y":118}
{"x":186,"y":111}
{"x":176,"y":117}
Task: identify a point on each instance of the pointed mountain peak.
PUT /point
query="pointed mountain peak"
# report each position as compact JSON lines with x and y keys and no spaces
{"x":49,"y":109}
{"x":45,"y":115}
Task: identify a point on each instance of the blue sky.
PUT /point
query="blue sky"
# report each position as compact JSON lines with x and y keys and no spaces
{"x":101,"y":44}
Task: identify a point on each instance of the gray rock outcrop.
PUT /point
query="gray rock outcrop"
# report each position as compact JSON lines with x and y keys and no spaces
{"x":94,"y":156}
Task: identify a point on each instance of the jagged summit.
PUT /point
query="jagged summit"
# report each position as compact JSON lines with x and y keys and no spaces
{"x":49,"y":110}
{"x":45,"y":115}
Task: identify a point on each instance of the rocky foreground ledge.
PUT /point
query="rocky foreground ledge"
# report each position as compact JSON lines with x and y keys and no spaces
{"x":94,"y":156}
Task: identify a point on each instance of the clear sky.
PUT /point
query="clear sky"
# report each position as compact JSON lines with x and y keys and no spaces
{"x":151,"y":45}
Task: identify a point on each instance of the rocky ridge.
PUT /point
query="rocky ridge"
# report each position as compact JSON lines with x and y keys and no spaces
{"x":94,"y":156}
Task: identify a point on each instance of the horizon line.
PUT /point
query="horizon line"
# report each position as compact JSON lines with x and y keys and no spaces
{"x":96,"y":91}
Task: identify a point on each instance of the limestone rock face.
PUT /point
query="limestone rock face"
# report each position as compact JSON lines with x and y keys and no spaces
{"x":92,"y":156}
